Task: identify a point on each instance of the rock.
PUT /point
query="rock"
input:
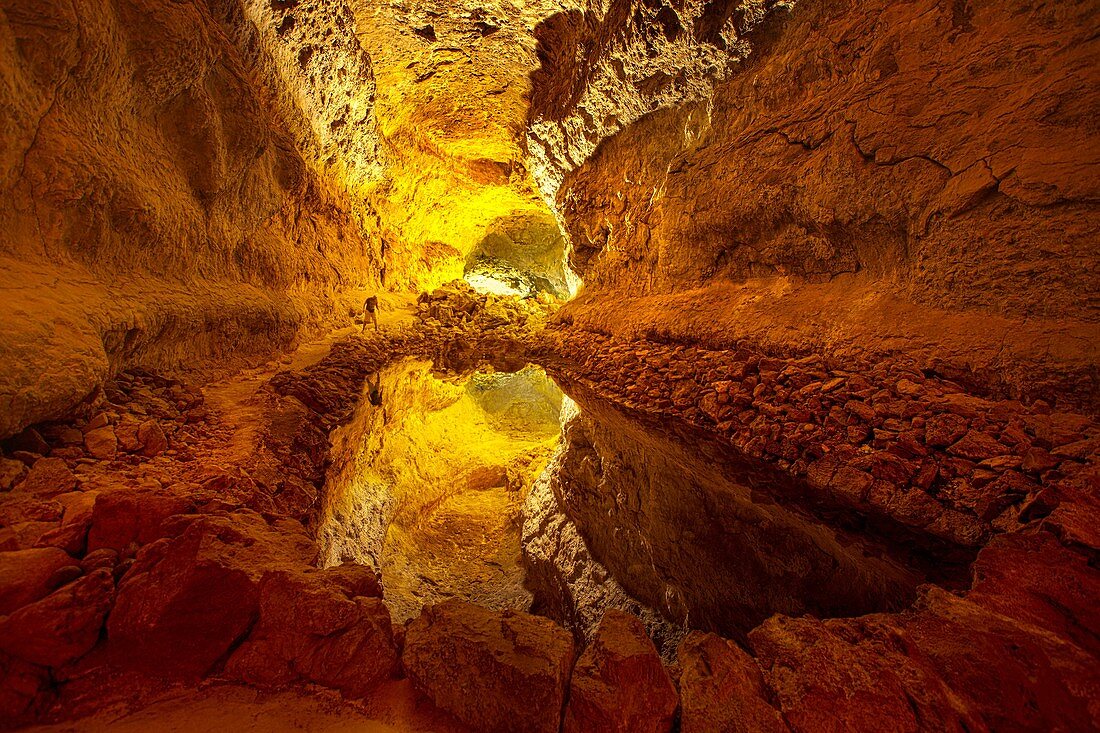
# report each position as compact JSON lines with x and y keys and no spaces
{"x":132,"y":517}
{"x":21,"y":685}
{"x":101,"y":443}
{"x":977,"y":446}
{"x":190,"y":596}
{"x":26,"y":575}
{"x":313,"y":628}
{"x":722,"y":690}
{"x":101,"y":420}
{"x":29,"y":441}
{"x":102,"y":558}
{"x":11,"y":472}
{"x":942,"y":430}
{"x":619,"y":684}
{"x":152,"y":439}
{"x":48,"y":477}
{"x":61,"y":627}
{"x":499,"y":672}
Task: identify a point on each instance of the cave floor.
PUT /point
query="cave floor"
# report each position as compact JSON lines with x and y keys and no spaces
{"x":394,"y":708}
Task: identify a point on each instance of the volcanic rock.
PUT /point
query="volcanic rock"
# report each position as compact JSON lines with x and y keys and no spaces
{"x":27,"y":575}
{"x":317,"y":627}
{"x":619,"y":684}
{"x":61,"y":627}
{"x":190,"y":596}
{"x":498,"y":672}
{"x":722,"y":690}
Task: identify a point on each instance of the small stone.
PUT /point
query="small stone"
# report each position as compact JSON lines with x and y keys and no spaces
{"x":977,"y":446}
{"x":101,"y":443}
{"x":152,"y":439}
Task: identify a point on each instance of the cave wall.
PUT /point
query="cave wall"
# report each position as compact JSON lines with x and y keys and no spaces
{"x":176,"y":186}
{"x":873,"y":177}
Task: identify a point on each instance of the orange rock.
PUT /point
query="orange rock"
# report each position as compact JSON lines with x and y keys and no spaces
{"x":619,"y":684}
{"x":61,"y":627}
{"x":314,"y":626}
{"x":48,"y":477}
{"x":26,"y":575}
{"x":191,"y":596}
{"x":722,"y":690}
{"x":499,"y":672}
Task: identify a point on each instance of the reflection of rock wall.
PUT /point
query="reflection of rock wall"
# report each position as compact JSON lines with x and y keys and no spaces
{"x":679,"y":535}
{"x":160,"y":202}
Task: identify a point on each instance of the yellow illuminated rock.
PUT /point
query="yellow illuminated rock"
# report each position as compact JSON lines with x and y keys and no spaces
{"x":428,"y":485}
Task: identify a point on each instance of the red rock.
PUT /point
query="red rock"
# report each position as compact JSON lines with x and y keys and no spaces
{"x":497,"y":672}
{"x":853,"y":675}
{"x":619,"y":684}
{"x":61,"y":627}
{"x":26,"y":575}
{"x":11,"y":472}
{"x":942,"y":430}
{"x":101,"y":443}
{"x":1033,"y":578}
{"x":152,"y":438}
{"x":18,"y":507}
{"x":48,"y":477}
{"x":313,"y":628}
{"x":977,"y":446}
{"x":722,"y":690}
{"x":132,"y":517}
{"x":21,"y":688}
{"x":189,"y":597}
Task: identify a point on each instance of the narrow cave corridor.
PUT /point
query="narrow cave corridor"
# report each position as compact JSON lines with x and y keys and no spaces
{"x":549,"y":366}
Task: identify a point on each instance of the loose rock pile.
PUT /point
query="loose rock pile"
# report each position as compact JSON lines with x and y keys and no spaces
{"x":885,"y":439}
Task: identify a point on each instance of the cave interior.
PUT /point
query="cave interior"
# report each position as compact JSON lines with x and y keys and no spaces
{"x":550,"y":366}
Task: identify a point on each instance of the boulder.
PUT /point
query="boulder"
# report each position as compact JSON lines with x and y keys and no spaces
{"x":21,"y":685}
{"x":316,"y":627}
{"x":132,"y":517}
{"x":722,"y":690}
{"x":27,"y":575}
{"x":619,"y":684}
{"x":49,"y":477}
{"x":193,"y":594}
{"x":499,"y":672}
{"x":61,"y":627}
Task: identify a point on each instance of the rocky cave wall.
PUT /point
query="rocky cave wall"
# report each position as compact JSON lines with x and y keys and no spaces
{"x":176,"y":185}
{"x":871,"y":178}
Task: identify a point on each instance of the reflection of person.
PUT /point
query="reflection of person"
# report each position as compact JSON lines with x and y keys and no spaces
{"x":370,"y":312}
{"x":374,"y":387}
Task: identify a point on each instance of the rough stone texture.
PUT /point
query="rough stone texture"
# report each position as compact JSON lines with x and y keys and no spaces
{"x":604,"y":65}
{"x":28,"y":575}
{"x":328,"y":627}
{"x":167,"y":197}
{"x":619,"y":684}
{"x":498,"y":672}
{"x":722,"y":690}
{"x":61,"y":627}
{"x":126,"y":519}
{"x":190,"y":596}
{"x":875,"y":177}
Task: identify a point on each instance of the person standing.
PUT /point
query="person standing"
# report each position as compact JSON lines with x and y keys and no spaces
{"x":370,"y":312}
